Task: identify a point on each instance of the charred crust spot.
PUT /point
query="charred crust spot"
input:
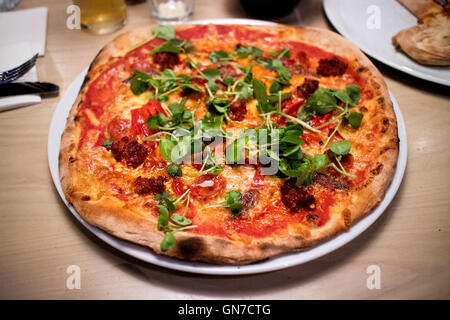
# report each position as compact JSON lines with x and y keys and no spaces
{"x":86,"y":79}
{"x":147,"y":205}
{"x":76,"y":118}
{"x":85,"y":198}
{"x":191,"y":247}
{"x":385,"y":125}
{"x":380,"y":100}
{"x":72,"y":159}
{"x":270,"y":246}
{"x":384,"y":150}
{"x":347,"y":217}
{"x":363,"y":109}
{"x":361,"y":69}
{"x":376,"y":171}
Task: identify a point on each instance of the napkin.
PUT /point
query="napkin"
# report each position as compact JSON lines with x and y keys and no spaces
{"x":22,"y":34}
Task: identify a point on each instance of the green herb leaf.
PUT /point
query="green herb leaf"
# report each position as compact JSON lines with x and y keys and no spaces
{"x":354,"y":92}
{"x":168,"y":242}
{"x":164,"y":32}
{"x":321,"y":102}
{"x":163,"y":219}
{"x":241,"y":51}
{"x":107,"y":143}
{"x":180,"y":220}
{"x":233,"y":196}
{"x":212,"y":74}
{"x":174,"y":170}
{"x":354,"y":118}
{"x":190,"y":87}
{"x":218,"y":56}
{"x":319,"y":161}
{"x":341,"y":147}
{"x":260,"y":91}
{"x":174,"y":46}
{"x":140,"y":82}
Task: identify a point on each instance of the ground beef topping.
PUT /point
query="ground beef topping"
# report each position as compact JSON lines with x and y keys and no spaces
{"x":166,"y":60}
{"x":238,"y":110}
{"x":296,"y":198}
{"x":307,"y":88}
{"x":132,"y":152}
{"x":331,"y":67}
{"x":144,"y":186}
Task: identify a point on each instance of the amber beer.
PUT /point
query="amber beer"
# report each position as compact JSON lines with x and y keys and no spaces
{"x":102,"y":16}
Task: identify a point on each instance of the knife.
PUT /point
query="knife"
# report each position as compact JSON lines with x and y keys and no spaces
{"x":19,"y":88}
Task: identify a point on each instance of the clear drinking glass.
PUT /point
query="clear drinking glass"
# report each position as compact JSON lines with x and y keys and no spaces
{"x":102,"y":16}
{"x":171,"y":11}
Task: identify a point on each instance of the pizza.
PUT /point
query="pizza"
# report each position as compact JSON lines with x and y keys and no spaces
{"x":228,"y":144}
{"x":428,"y":42}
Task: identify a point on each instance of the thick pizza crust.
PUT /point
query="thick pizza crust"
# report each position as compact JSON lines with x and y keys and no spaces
{"x":138,"y":226}
{"x":428,"y":42}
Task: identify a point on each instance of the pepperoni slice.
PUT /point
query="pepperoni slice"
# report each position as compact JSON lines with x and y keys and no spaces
{"x":207,"y":186}
{"x":139,"y":118}
{"x":118,"y":128}
{"x":178,"y":187}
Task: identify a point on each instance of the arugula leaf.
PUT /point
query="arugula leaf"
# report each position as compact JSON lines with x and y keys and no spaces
{"x":341,"y":147}
{"x":168,"y":242}
{"x":164,"y":32}
{"x":217,"y":56}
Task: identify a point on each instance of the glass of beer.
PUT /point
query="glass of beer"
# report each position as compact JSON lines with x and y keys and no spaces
{"x":102,"y":16}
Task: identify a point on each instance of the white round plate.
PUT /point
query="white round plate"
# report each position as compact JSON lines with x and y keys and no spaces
{"x":275,"y":263}
{"x":353,"y":19}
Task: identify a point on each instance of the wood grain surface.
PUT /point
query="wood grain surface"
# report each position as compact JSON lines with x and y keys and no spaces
{"x":39,"y":238}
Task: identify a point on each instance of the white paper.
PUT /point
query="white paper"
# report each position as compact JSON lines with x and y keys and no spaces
{"x":24,"y":26}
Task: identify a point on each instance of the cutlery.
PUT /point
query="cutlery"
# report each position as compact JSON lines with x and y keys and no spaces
{"x":17,"y":72}
{"x":19,"y":88}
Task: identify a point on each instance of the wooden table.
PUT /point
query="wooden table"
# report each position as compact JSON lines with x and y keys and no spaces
{"x":39,"y":238}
